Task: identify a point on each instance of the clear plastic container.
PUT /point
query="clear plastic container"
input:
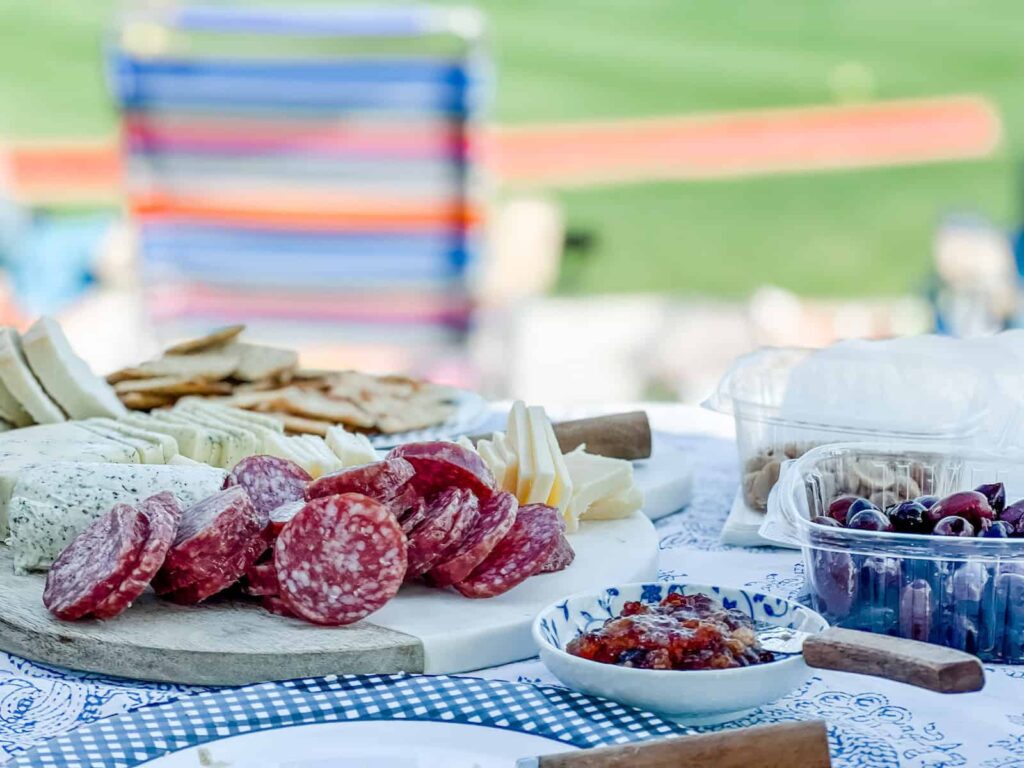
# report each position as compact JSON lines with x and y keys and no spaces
{"x":965,"y":593}
{"x":785,"y":402}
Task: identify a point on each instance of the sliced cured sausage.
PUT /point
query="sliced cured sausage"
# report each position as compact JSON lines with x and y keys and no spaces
{"x":162,"y":514}
{"x":494,"y":521}
{"x":441,"y":465}
{"x":449,"y":516}
{"x":261,"y":580}
{"x":219,"y":575}
{"x":340,"y":559}
{"x":277,"y":606}
{"x":281,"y":516}
{"x":382,"y":481}
{"x":212,"y":535}
{"x":561,"y":558}
{"x":95,"y":563}
{"x":521,"y":554}
{"x":269,"y":481}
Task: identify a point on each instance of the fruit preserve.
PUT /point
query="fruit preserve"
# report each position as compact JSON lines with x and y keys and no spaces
{"x":680,"y":632}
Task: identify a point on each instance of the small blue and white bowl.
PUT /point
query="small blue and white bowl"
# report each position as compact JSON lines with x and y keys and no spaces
{"x":694,"y":697}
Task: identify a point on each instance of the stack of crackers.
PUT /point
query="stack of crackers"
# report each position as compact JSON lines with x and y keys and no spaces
{"x":267,"y":379}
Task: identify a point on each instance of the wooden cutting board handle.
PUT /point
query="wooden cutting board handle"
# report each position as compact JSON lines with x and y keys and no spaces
{"x":787,"y":745}
{"x":906,"y":661}
{"x":616,"y":435}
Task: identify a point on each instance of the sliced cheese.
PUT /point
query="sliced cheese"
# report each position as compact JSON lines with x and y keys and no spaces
{"x":621,"y":504}
{"x":65,"y":376}
{"x":239,"y":442}
{"x":193,"y":441}
{"x":52,"y":503}
{"x":594,"y":478}
{"x":500,"y":442}
{"x":227,"y":451}
{"x":235,"y":414}
{"x":352,"y":448}
{"x":13,"y":411}
{"x":493,"y":462}
{"x":145,"y":451}
{"x":184,"y":461}
{"x":19,"y":380}
{"x":519,"y":442}
{"x":167,"y":445}
{"x":543,"y":462}
{"x":561,"y":490}
{"x":324,"y":460}
{"x":466,"y":443}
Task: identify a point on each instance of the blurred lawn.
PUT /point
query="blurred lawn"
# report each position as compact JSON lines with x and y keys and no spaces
{"x":836,"y":233}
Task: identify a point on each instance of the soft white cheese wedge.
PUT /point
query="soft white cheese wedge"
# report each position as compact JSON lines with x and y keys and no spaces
{"x":19,"y":380}
{"x":594,"y":478}
{"x":543,"y":461}
{"x":519,"y":442}
{"x":65,"y":376}
{"x":353,"y":449}
{"x":613,"y":507}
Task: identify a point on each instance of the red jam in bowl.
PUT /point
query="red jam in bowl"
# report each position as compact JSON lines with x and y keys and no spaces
{"x":680,"y":632}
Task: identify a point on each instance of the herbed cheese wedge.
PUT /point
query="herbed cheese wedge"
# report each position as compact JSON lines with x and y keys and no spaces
{"x":11,"y":410}
{"x":65,"y":376}
{"x":166,"y":444}
{"x":613,"y":507}
{"x":19,"y":380}
{"x":146,"y":452}
{"x":519,"y":441}
{"x":594,"y":478}
{"x":352,"y":448}
{"x":543,"y":461}
{"x":52,"y":503}
{"x":184,"y":461}
{"x":47,"y":443}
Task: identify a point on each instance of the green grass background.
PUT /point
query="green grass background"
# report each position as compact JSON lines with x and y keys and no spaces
{"x":842,"y":233}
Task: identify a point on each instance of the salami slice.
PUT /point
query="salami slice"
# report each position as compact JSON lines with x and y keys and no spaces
{"x":561,"y":558}
{"x":521,"y":554}
{"x":281,"y":516}
{"x":450,"y":514}
{"x":340,"y":559}
{"x":269,"y":481}
{"x":277,"y":606}
{"x":219,"y":525}
{"x":441,"y":465}
{"x":494,"y":521}
{"x":162,"y":514}
{"x":405,"y":502}
{"x":383,"y":481}
{"x":261,"y":580}
{"x":415,"y":516}
{"x":212,"y":535}
{"x":220,"y":575}
{"x":95,"y":563}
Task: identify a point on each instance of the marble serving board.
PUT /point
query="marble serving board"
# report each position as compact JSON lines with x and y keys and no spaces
{"x":666,"y":478}
{"x":233,"y":642}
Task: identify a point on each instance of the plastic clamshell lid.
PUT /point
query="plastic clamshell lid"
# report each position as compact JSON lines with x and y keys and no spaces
{"x":879,"y":388}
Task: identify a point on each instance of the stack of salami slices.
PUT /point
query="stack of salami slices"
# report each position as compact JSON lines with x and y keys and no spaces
{"x":330,"y":551}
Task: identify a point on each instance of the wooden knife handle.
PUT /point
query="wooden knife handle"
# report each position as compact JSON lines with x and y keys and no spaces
{"x":616,"y":435}
{"x":906,"y":661}
{"x":787,"y":745}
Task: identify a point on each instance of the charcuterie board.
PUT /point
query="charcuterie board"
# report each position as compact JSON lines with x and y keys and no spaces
{"x":228,"y":642}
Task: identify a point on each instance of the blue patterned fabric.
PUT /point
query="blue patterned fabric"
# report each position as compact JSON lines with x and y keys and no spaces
{"x":873,"y":723}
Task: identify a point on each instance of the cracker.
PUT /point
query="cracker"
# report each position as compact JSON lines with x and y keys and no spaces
{"x":212,"y":365}
{"x":315,"y":405}
{"x":413,"y":416}
{"x":173,"y":385}
{"x":257,"y":362}
{"x":304,"y":426}
{"x":145,"y":401}
{"x":215,"y":338}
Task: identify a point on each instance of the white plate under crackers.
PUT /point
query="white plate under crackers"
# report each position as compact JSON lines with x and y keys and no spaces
{"x":234,"y":643}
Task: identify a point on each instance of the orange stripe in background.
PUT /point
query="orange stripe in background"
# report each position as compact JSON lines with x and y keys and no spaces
{"x":721,"y":145}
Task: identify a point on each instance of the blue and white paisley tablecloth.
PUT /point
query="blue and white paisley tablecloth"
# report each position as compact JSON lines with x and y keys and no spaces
{"x":873,"y":723}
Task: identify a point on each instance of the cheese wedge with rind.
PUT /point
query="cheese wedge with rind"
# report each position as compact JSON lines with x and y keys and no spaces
{"x":65,"y":376}
{"x":19,"y":380}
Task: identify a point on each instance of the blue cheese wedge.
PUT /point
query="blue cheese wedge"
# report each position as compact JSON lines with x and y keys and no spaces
{"x":19,"y":380}
{"x":65,"y":376}
{"x":52,"y":503}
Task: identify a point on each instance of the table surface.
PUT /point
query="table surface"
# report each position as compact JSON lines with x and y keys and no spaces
{"x":878,"y":723}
